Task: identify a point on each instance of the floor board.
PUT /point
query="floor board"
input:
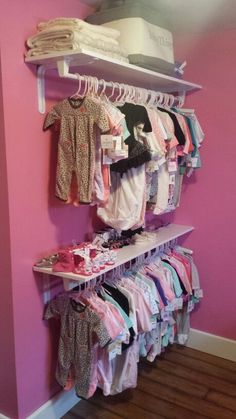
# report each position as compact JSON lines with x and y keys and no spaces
{"x":167,"y":379}
{"x":196,"y":377}
{"x":203,"y":366}
{"x":222,"y":400}
{"x":203,"y":356}
{"x":181,"y":384}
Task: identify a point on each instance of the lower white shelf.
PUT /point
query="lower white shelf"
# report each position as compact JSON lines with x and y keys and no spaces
{"x":127,"y":253}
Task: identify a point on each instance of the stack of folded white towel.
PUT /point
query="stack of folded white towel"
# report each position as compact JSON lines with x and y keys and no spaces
{"x":71,"y":34}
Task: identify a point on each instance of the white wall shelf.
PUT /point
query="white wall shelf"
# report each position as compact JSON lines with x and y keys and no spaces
{"x":85,"y":62}
{"x":127,"y":253}
{"x":117,"y":70}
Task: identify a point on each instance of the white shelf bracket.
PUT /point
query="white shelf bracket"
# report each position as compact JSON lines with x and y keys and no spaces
{"x":69,"y":285}
{"x":63,"y":67}
{"x":46,"y":288}
{"x":63,"y":71}
{"x":41,"y":88}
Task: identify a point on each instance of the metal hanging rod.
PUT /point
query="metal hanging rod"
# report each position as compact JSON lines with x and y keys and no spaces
{"x":140,"y":95}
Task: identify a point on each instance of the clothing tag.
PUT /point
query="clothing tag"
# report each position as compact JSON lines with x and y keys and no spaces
{"x":118,"y":347}
{"x":122,"y":336}
{"x":165,"y":316}
{"x":111,"y":346}
{"x":112,"y":350}
{"x":117,"y":153}
{"x":118,"y":145}
{"x":151,"y":166}
{"x":194,"y":161}
{"x":172,"y":166}
{"x":107,"y":141}
{"x":171,"y":179}
{"x":127,"y":337}
{"x":170,"y":307}
{"x":161,"y":161}
{"x":190,"y":306}
{"x":198,"y":293}
{"x":112,"y":354}
{"x":154,"y":321}
{"x":179,"y":302}
{"x":155,"y":166}
{"x":174,"y":303}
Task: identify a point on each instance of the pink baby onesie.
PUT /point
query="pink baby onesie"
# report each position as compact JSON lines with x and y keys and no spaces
{"x":125,"y":369}
{"x":108,"y":317}
{"x":160,"y":275}
{"x":182,"y":258}
{"x":143,"y":311}
{"x":181,"y":272}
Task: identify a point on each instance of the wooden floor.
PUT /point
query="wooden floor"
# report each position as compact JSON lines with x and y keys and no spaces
{"x":183,"y":384}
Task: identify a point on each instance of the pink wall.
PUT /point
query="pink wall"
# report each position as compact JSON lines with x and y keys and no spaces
{"x":209,"y":198}
{"x":38,"y":222}
{"x":8,"y":396}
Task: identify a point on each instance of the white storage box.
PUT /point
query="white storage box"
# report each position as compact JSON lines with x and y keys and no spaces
{"x":141,"y":37}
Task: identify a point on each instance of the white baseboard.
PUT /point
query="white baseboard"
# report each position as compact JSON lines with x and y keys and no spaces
{"x":56,"y":407}
{"x":212,"y":344}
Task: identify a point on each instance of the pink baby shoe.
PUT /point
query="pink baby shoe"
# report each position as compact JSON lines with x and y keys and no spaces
{"x":65,"y":262}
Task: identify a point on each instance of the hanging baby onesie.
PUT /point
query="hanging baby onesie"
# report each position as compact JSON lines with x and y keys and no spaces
{"x":81,"y":329}
{"x":125,"y":207}
{"x":137,"y":123}
{"x":76,"y":146}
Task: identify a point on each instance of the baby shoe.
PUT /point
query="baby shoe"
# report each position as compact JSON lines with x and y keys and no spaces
{"x":96,"y":259}
{"x":93,"y":253}
{"x":84,"y":268}
{"x":111,"y":257}
{"x":101,"y":260}
{"x":65,"y":262}
{"x":47,"y":262}
{"x":77,"y":259}
{"x":95,"y":265}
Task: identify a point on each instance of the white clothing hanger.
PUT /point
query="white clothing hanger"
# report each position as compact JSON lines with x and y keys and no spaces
{"x":103,"y":83}
{"x":113,"y":90}
{"x":85,"y":86}
{"x":77,"y":93}
{"x":126,"y":93}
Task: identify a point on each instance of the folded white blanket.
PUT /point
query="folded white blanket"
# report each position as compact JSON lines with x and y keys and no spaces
{"x":58,"y":28}
{"x":53,"y":38}
{"x":79,"y":24}
{"x":70,"y":34}
{"x":44,"y":50}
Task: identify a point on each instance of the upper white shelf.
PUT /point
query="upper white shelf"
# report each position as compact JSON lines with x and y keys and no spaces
{"x":164,"y":235}
{"x":117,"y":71}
